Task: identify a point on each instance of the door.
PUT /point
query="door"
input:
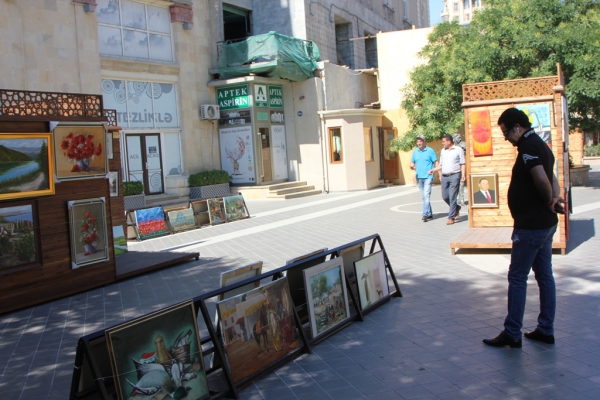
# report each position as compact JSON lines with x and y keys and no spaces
{"x":388,"y":160}
{"x":280,"y":169}
{"x":265,"y":154}
{"x":144,"y":162}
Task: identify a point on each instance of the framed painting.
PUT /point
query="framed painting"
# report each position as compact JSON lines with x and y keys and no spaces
{"x":350,"y":255}
{"x":372,"y":280}
{"x":26,"y":165}
{"x":87,"y":220}
{"x":119,"y":240}
{"x":215,"y":211}
{"x":150,"y":223}
{"x":237,"y":275}
{"x":326,"y":296}
{"x":258,"y":328}
{"x":80,"y":151}
{"x":113,"y":183}
{"x":540,"y":117}
{"x":181,"y":220}
{"x":295,"y":277}
{"x":158,"y":356}
{"x":19,"y":236}
{"x":481,"y":132}
{"x":484,"y":190}
{"x":235,"y":207}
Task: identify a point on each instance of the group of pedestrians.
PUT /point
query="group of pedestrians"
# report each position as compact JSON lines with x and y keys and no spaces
{"x":451,"y":167}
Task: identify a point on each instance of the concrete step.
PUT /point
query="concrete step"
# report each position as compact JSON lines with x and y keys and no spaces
{"x":166,"y":200}
{"x":293,"y":195}
{"x":285,"y":185}
{"x":290,"y":190}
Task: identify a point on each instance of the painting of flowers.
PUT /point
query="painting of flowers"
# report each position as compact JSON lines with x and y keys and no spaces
{"x":88,"y":232}
{"x":215,"y":211}
{"x":79,"y":151}
{"x":26,"y":167}
{"x":150,"y":223}
{"x":18,"y":244}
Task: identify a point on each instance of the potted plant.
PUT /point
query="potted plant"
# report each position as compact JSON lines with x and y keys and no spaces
{"x":208,"y":184}
{"x":133,"y":195}
{"x":579,"y":174}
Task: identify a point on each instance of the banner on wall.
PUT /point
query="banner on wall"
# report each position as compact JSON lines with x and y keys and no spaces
{"x":237,"y":155}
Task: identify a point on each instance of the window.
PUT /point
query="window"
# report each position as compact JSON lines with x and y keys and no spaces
{"x":476,"y":3}
{"x":172,"y":154}
{"x":336,"y":155}
{"x":455,"y":7}
{"x":455,"y":18}
{"x":467,"y":4}
{"x":343,"y":46}
{"x":370,"y":51}
{"x":237,"y":23}
{"x":467,"y":17}
{"x":136,"y":30}
{"x":141,"y":104}
{"x":368,"y":138}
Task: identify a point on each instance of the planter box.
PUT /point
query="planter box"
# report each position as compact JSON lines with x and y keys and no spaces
{"x":580,"y":175}
{"x":210,"y":191}
{"x":134,"y":202}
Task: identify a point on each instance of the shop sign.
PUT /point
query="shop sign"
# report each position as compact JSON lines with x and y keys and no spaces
{"x":277,"y":117}
{"x":241,"y":117}
{"x":233,"y":97}
{"x":260,"y":96}
{"x":275,"y":96}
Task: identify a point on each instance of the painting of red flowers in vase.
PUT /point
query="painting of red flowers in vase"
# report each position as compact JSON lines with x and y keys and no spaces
{"x":88,"y":231}
{"x":80,"y":151}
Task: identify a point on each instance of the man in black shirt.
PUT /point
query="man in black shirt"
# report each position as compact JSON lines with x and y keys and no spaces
{"x":533,"y":200}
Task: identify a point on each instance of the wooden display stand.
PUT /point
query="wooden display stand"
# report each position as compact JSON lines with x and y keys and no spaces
{"x":491,"y":228}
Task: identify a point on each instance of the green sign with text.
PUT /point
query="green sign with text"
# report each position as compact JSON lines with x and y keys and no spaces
{"x":275,"y":96}
{"x":233,"y":97}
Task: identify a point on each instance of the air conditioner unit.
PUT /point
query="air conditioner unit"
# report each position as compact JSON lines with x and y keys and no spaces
{"x":209,"y":111}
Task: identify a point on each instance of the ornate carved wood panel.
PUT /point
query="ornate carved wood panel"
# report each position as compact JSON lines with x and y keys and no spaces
{"x":511,"y":89}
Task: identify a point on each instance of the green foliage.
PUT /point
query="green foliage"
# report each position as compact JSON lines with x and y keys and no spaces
{"x":132,"y":188}
{"x":42,"y":159}
{"x":592,"y":151}
{"x":205,"y":178}
{"x":508,"y":39}
{"x":25,"y":247}
{"x":10,"y":155}
{"x":5,"y":245}
{"x":19,"y":180}
{"x":322,"y":285}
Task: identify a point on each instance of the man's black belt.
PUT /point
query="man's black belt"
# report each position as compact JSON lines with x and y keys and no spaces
{"x":454,"y":173}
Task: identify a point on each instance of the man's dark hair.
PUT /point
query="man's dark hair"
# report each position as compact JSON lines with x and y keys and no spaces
{"x":512,"y":116}
{"x":448,"y":137}
{"x":483,"y":179}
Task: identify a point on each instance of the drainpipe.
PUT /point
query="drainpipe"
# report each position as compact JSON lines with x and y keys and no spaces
{"x":324,"y":165}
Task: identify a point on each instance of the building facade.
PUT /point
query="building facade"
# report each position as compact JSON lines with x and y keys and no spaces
{"x":460,"y":11}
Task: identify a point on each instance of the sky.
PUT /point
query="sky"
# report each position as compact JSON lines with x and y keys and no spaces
{"x":435,"y":9}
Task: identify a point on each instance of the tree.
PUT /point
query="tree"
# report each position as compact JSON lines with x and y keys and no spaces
{"x":509,"y":39}
{"x":25,"y":247}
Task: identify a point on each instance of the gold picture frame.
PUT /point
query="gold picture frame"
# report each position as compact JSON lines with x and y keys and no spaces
{"x":26,"y":165}
{"x":80,"y":151}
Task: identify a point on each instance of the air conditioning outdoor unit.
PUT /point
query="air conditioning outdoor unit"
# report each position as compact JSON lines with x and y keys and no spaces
{"x":209,"y":111}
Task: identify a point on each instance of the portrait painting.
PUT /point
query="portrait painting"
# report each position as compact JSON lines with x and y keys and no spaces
{"x":372,"y":280}
{"x":484,"y":190}
{"x":150,"y":223}
{"x":158,"y":356}
{"x":258,"y":328}
{"x":481,"y":132}
{"x":216,"y":214}
{"x":326,"y":295}
{"x":18,"y":236}
{"x":235,"y":207}
{"x":182,"y":220}
{"x":113,"y":183}
{"x":540,"y":118}
{"x":87,"y":220}
{"x":80,"y":151}
{"x":119,"y":240}
{"x":26,"y":165}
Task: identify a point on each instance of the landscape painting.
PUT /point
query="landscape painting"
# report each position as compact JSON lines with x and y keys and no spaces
{"x":80,"y":151}
{"x":258,"y":328}
{"x":540,"y":118}
{"x":215,"y":211}
{"x":18,"y":244}
{"x":150,"y":223}
{"x":26,"y":166}
{"x":158,"y":356}
{"x":235,"y":207}
{"x":326,"y":295}
{"x":119,"y":240}
{"x":182,"y":220}
{"x":87,"y":220}
{"x":372,"y":281}
{"x":113,"y":183}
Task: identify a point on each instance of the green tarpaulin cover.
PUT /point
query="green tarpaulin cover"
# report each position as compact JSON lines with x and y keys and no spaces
{"x":272,"y":54}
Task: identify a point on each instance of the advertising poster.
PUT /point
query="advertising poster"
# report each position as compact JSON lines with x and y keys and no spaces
{"x":237,"y":155}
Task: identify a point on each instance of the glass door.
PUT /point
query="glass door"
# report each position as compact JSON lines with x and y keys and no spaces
{"x":265,"y":155}
{"x":144,"y":162}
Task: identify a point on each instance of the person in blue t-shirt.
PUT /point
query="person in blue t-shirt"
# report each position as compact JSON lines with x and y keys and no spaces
{"x":423,"y":160}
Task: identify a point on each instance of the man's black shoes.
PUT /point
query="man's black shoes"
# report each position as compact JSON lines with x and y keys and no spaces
{"x":503,"y":340}
{"x":540,"y":337}
{"x":425,"y":219}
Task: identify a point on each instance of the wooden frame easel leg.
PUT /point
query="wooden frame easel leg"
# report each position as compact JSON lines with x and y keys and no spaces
{"x":388,"y":265}
{"x":95,"y":371}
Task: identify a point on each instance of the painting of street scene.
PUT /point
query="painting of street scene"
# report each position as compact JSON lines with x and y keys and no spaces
{"x":158,"y":356}
{"x":235,"y":207}
{"x":372,"y":279}
{"x":25,"y":166}
{"x":17,"y":236}
{"x":258,"y":328}
{"x":326,"y":295}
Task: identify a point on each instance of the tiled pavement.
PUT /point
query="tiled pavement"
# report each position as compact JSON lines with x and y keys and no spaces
{"x":425,"y":345}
